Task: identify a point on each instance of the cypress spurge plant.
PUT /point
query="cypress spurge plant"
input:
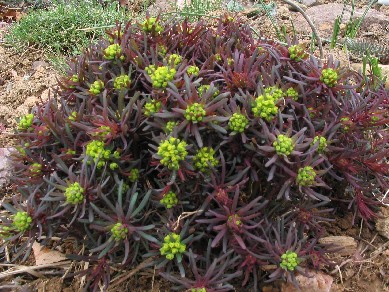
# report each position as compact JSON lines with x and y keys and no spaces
{"x":199,"y":149}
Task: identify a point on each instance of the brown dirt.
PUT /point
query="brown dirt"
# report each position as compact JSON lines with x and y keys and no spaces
{"x":24,"y":82}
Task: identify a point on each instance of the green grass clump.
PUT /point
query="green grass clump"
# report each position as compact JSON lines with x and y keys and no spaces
{"x":60,"y":29}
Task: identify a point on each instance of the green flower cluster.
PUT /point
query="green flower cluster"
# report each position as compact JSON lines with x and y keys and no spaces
{"x":102,"y":132}
{"x":74,"y":78}
{"x":73,"y":116}
{"x":112,"y":51}
{"x":170,"y":126}
{"x":265,"y":107}
{"x":230,"y":61}
{"x":329,"y":77}
{"x":151,"y":25}
{"x":25,"y":122}
{"x":238,"y":123}
{"x":193,"y":71}
{"x":22,"y":221}
{"x":283,"y":145}
{"x":204,"y":159}
{"x":160,"y":76}
{"x":346,"y":123}
{"x":291,"y":92}
{"x":306,"y":176}
{"x":172,"y":151}
{"x":35,"y":169}
{"x":322,"y":143}
{"x":21,"y":150}
{"x":175,"y":59}
{"x":151,"y":107}
{"x":169,"y":200}
{"x":113,"y":165}
{"x":119,"y":231}
{"x":289,"y":261}
{"x":296,"y":52}
{"x":204,"y":88}
{"x":195,"y":112}
{"x":96,"y":87}
{"x":121,"y":82}
{"x":234,"y":220}
{"x":162,"y":50}
{"x":96,"y":150}
{"x":273,"y":92}
{"x":134,"y":175}
{"x":172,"y":245}
{"x":71,"y":152}
{"x":202,"y":289}
{"x":218,"y":57}
{"x":74,"y":193}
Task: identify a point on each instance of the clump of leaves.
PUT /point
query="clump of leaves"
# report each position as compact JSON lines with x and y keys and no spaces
{"x":199,"y":148}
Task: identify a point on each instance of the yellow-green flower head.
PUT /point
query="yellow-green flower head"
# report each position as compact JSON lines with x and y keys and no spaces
{"x":230,"y":61}
{"x":25,"y":122}
{"x":346,"y":123}
{"x":265,"y":107}
{"x":74,"y":78}
{"x":112,"y":51}
{"x":102,"y":132}
{"x":96,"y":150}
{"x":204,"y":88}
{"x":160,"y":76}
{"x":172,"y":245}
{"x":296,"y":52}
{"x":234,"y":221}
{"x":292,"y":93}
{"x":172,"y":151}
{"x":322,"y":143}
{"x":96,"y":87}
{"x":22,"y":221}
{"x":134,"y":175}
{"x":74,"y":194}
{"x":73,"y":116}
{"x":306,"y":176}
{"x":113,"y":166}
{"x":35,"y":169}
{"x":204,"y":159}
{"x":289,"y":261}
{"x":151,"y":107}
{"x":175,"y":59}
{"x":170,"y":126}
{"x":218,"y":57}
{"x":71,"y":152}
{"x":238,"y":122}
{"x":119,"y":231}
{"x":151,"y":25}
{"x":202,"y":289}
{"x":193,"y":71}
{"x":283,"y":145}
{"x":273,"y":92}
{"x":162,"y":50}
{"x":195,"y":112}
{"x":329,"y":77}
{"x":121,"y":82}
{"x":169,"y":200}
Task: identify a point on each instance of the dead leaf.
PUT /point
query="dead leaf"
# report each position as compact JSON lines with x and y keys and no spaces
{"x":45,"y":256}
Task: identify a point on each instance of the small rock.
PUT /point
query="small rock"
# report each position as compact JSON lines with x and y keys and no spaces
{"x":5,"y":166}
{"x":319,"y":282}
{"x":309,"y":3}
{"x":37,"y":64}
{"x":323,"y":16}
{"x":382,"y":223}
{"x":346,"y":244}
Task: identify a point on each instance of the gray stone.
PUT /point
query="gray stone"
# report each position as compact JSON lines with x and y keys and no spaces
{"x":323,"y":16}
{"x":382,"y":223}
{"x":5,"y":166}
{"x":318,"y":282}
